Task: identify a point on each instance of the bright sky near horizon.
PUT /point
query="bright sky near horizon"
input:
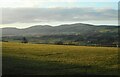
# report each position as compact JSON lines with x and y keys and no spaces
{"x":92,"y":10}
{"x":58,"y":3}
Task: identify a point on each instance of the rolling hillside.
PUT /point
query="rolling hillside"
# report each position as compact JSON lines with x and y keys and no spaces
{"x":77,"y":28}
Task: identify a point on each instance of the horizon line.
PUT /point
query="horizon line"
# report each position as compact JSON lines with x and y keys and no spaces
{"x":61,"y":25}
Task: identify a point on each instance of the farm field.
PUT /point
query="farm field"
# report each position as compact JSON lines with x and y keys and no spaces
{"x":45,"y":59}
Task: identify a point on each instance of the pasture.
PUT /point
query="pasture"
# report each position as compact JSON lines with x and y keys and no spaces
{"x":45,"y":59}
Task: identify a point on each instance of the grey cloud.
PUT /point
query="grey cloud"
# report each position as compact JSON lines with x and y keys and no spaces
{"x":31,"y":15}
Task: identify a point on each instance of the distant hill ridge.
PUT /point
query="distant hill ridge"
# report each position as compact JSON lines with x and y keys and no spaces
{"x":77,"y":28}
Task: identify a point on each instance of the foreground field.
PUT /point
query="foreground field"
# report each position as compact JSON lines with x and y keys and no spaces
{"x":41,"y":59}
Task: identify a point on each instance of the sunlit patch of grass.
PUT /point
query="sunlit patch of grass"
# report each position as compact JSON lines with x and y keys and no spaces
{"x":58,"y":59}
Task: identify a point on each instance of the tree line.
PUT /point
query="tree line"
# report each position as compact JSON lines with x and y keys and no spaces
{"x":88,"y":40}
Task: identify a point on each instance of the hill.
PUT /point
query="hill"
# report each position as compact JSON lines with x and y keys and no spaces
{"x":78,"y":28}
{"x":67,"y":34}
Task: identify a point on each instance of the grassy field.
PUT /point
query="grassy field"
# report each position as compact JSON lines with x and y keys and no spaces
{"x":43,"y":59}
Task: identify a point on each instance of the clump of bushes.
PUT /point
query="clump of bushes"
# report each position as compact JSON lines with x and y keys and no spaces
{"x":59,"y":43}
{"x":24,"y":40}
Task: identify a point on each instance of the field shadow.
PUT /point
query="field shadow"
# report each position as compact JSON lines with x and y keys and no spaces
{"x":19,"y":66}
{"x":50,"y":54}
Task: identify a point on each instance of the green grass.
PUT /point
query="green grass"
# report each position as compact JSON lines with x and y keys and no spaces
{"x":43,"y":59}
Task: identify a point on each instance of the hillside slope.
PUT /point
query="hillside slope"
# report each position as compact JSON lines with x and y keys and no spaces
{"x":78,"y":28}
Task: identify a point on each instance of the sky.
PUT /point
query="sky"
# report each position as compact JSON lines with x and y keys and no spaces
{"x":23,"y":14}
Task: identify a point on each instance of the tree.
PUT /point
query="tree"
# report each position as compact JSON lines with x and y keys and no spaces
{"x":59,"y":43}
{"x":24,"y":40}
{"x":4,"y":41}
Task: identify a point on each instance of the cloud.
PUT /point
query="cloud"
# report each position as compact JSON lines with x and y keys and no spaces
{"x":55,"y":3}
{"x":33,"y":15}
